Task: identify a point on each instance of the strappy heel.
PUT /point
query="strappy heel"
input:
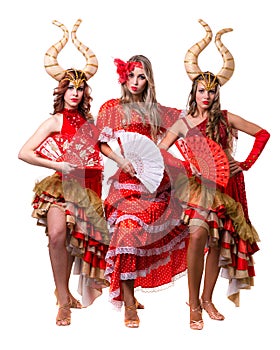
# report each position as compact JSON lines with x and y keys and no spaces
{"x":132,"y":323}
{"x":210,"y":308}
{"x":74,"y":303}
{"x":196,"y":324}
{"x":138,"y":305}
{"x":63,"y":317}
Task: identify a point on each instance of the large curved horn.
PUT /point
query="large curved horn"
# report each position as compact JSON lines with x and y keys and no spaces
{"x":228,"y":67}
{"x":92,"y":63}
{"x":192,"y":54}
{"x":51,"y":65}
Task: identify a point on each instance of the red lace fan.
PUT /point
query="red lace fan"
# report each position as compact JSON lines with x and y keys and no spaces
{"x":53,"y":148}
{"x":81,"y":150}
{"x":208,"y":158}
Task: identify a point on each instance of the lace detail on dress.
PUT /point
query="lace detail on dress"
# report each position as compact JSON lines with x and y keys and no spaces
{"x":149,"y":228}
{"x":131,"y":187}
{"x":107,"y":134}
{"x":143,"y":273}
{"x":176,"y":242}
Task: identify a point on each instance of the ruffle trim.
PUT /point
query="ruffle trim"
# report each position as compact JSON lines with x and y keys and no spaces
{"x":69,"y":194}
{"x":216,"y":211}
{"x":117,"y":304}
{"x":176,"y":244}
{"x":91,"y":281}
{"x":197,"y":195}
{"x":150,"y":228}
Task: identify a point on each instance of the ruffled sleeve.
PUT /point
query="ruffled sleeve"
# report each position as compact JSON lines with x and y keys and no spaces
{"x":109,"y":120}
{"x":169,"y":116}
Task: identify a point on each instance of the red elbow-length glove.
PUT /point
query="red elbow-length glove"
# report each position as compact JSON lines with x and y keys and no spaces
{"x":261,"y":138}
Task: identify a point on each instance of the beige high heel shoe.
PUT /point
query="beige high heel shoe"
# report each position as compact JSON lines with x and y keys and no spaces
{"x":132,"y":323}
{"x":74,"y":303}
{"x":196,"y":324}
{"x":139,"y":305}
{"x":63,"y":317}
{"x":210,"y":308}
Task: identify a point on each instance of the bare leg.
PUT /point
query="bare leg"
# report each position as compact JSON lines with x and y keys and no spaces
{"x":131,"y":317}
{"x":212,"y":270}
{"x":198,"y":239}
{"x":59,"y":261}
{"x":69,"y":265}
{"x":76,"y":304}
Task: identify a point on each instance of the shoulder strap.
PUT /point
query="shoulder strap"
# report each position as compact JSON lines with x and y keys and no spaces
{"x":185,"y":121}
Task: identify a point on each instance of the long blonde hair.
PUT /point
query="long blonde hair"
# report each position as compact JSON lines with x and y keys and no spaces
{"x":148,"y":106}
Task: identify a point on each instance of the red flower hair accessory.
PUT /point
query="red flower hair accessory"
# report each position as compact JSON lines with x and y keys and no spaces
{"x":124,"y":68}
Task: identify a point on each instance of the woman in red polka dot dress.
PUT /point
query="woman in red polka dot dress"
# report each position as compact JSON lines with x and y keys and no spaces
{"x":148,"y":245}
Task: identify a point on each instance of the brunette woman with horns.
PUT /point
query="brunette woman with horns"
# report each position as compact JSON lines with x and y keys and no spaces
{"x":215,"y":206}
{"x":68,"y":202}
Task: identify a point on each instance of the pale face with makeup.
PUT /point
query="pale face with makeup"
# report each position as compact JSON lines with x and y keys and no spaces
{"x":73,"y":96}
{"x":204,"y":98}
{"x":136,"y":81}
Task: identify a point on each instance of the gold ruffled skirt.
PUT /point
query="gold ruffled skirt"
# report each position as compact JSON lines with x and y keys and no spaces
{"x":87,"y":234}
{"x":227,"y":226}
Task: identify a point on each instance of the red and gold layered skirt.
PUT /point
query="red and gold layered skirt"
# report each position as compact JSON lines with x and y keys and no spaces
{"x":226,"y":220}
{"x":87,"y":234}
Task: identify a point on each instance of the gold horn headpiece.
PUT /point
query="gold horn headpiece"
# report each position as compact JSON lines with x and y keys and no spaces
{"x":228,"y":67}
{"x":92,"y":64}
{"x":51,"y":64}
{"x":50,"y":61}
{"x":191,"y":57}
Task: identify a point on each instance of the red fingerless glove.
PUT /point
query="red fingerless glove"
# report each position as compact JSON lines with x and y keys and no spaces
{"x":262,"y":137}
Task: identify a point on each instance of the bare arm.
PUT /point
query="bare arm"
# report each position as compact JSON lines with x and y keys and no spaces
{"x":123,"y":163}
{"x":261,"y":138}
{"x":27,"y":152}
{"x":177,"y":130}
{"x":243,"y":125}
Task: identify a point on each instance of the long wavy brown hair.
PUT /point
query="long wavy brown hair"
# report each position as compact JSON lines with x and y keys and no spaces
{"x":85,"y":104}
{"x":216,"y":117}
{"x":148,"y":107}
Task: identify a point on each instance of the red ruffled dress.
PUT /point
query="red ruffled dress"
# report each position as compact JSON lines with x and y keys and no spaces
{"x":79,"y":195}
{"x":148,"y":241}
{"x":224,"y":213}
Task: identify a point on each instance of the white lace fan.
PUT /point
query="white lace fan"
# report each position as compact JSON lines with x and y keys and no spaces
{"x":145,"y":158}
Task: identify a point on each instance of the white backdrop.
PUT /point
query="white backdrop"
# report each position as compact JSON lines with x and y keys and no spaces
{"x":162,"y":31}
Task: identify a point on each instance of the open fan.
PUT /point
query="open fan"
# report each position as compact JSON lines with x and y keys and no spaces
{"x":207,"y":157}
{"x":145,"y":157}
{"x":53,"y":147}
{"x":81,"y":150}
